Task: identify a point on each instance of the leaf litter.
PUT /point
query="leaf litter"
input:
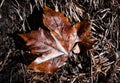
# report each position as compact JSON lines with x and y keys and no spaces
{"x":83,"y":68}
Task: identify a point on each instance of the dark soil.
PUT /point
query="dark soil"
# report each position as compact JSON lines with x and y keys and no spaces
{"x":21,"y":16}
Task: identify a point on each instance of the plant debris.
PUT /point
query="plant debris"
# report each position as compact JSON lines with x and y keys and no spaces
{"x":97,"y":65}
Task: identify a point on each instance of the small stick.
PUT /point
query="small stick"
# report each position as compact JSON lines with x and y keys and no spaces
{"x":6,"y":58}
{"x":2,"y":3}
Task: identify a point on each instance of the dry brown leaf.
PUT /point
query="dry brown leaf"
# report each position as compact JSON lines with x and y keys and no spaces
{"x":56,"y":45}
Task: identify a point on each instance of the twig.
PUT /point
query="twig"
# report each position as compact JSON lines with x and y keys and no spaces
{"x":2,"y":3}
{"x":23,"y":68}
{"x":11,"y":76}
{"x":6,"y":58}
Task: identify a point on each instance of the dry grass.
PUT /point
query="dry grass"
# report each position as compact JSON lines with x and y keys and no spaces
{"x":99,"y":65}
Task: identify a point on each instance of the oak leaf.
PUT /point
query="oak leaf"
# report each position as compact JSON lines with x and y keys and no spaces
{"x":54,"y":46}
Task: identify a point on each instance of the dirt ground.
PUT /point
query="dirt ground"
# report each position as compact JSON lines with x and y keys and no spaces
{"x":99,"y":65}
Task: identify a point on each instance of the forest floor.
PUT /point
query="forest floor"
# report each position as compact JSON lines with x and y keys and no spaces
{"x":99,"y":65}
